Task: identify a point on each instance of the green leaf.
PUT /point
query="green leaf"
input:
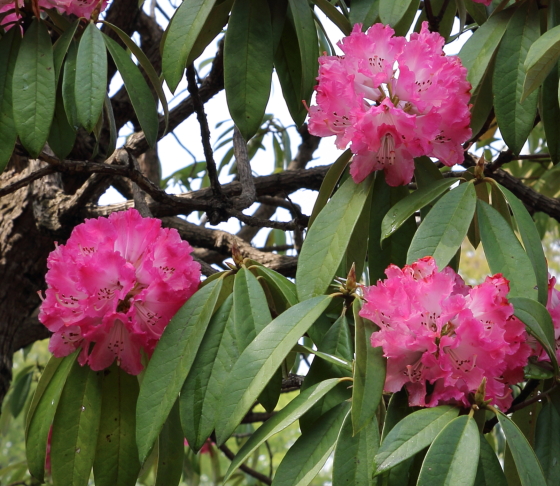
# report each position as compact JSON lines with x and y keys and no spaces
{"x":329,"y":358}
{"x":479,"y":49}
{"x":9,"y":48}
{"x":170,"y":364}
{"x":62,"y":136}
{"x":411,"y":435}
{"x":369,"y":372}
{"x":91,"y":77}
{"x":324,"y":246}
{"x":261,"y":359}
{"x":310,"y":452}
{"x":549,"y":109}
{"x":444,"y":228}
{"x":68,"y":85}
{"x":60,"y":48}
{"x":20,"y":390}
{"x":395,"y":248}
{"x":365,"y":12}
{"x":453,"y":456}
{"x":541,"y":58}
{"x":250,"y":310}
{"x":489,"y":472}
{"x":41,"y":412}
{"x":404,"y":25}
{"x":116,"y":457}
{"x":287,"y":62}
{"x":282,"y":419}
{"x":147,"y":67}
{"x":306,"y":33}
{"x":532,"y":242}
{"x":113,"y":135}
{"x":138,"y":91}
{"x":34,"y":95}
{"x":477,"y":11}
{"x":184,"y":29}
{"x":75,"y":427}
{"x":171,"y":450}
{"x":397,"y":409}
{"x":482,"y":101}
{"x":329,"y":184}
{"x":406,"y":207}
{"x":504,"y":252}
{"x":526,"y":462}
{"x":248,"y":64}
{"x":515,"y":119}
{"x":547,"y":445}
{"x":538,"y":321}
{"x":199,"y":400}
{"x":283,"y":290}
{"x":392,"y":11}
{"x":334,"y":15}
{"x":354,"y":453}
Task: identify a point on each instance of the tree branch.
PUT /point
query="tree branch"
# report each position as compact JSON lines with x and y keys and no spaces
{"x":248,"y":191}
{"x":246,"y":469}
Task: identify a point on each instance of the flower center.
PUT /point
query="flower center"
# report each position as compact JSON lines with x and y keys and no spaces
{"x":386,"y":153}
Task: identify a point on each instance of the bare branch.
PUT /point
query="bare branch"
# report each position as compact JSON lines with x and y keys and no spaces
{"x":248,"y":191}
{"x":246,"y":469}
{"x":25,"y":181}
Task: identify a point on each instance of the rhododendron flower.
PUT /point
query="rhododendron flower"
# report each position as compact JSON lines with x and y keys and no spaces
{"x":394,"y":100}
{"x":441,"y":337}
{"x":80,"y":8}
{"x":553,"y":307}
{"x":113,"y":288}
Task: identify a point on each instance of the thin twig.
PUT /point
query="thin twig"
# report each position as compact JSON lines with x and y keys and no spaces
{"x":248,"y":191}
{"x":204,"y":131}
{"x":266,"y":223}
{"x":246,"y":469}
{"x":25,"y":181}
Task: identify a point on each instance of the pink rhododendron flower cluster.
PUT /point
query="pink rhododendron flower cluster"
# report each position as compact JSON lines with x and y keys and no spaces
{"x":553,"y":307}
{"x":442,"y":337}
{"x":80,"y":8}
{"x":394,"y":100}
{"x":113,"y":288}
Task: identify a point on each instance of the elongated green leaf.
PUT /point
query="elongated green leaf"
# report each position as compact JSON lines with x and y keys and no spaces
{"x":531,"y":241}
{"x":392,"y":11}
{"x":261,"y":359}
{"x":329,"y":358}
{"x":504,"y":252}
{"x":481,"y":46}
{"x":75,"y":427}
{"x":68,"y":85}
{"x":307,"y":456}
{"x":397,"y":409}
{"x":9,"y":48}
{"x":453,"y":456}
{"x":549,"y":109}
{"x":110,"y":117}
{"x":526,"y":462}
{"x":547,"y":444}
{"x":91,"y":77}
{"x":406,"y":207}
{"x":489,"y":472}
{"x":538,"y":321}
{"x":199,"y":401}
{"x":182,"y":33}
{"x":147,"y":67}
{"x":482,"y":100}
{"x":60,"y":48}
{"x":116,"y":457}
{"x":477,"y":11}
{"x":369,"y":372}
{"x":405,"y":23}
{"x":329,"y":183}
{"x":142,"y":100}
{"x":443,"y":230}
{"x":541,"y":58}
{"x":42,"y":410}
{"x":62,"y":135}
{"x":334,"y":15}
{"x":285,"y":417}
{"x":21,"y":387}
{"x":395,"y":247}
{"x":283,"y":290}
{"x":306,"y":33}
{"x":515,"y":119}
{"x":34,"y":94}
{"x":250,"y":310}
{"x":170,"y":364}
{"x":365,"y":12}
{"x":248,"y":64}
{"x":326,"y":241}
{"x":411,"y":435}
{"x":353,"y":456}
{"x":171,"y":451}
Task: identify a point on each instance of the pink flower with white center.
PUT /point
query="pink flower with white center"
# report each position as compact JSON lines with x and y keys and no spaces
{"x":114,"y":287}
{"x":441,"y":337}
{"x":394,"y":100}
